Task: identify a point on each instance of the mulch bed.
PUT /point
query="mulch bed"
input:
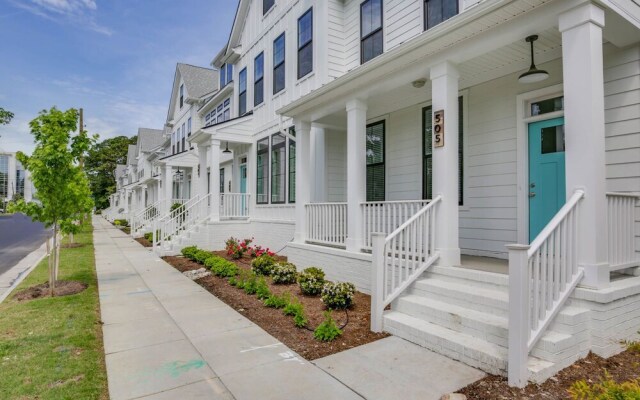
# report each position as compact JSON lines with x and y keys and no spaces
{"x":71,"y":245}
{"x":63,"y":288}
{"x":144,"y":242}
{"x":621,"y":367}
{"x":355,"y":333}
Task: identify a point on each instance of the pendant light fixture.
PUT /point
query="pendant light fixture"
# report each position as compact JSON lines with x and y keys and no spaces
{"x":533,"y":74}
{"x":226,"y":150}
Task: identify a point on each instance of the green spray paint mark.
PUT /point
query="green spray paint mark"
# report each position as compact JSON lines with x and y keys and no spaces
{"x":177,"y":368}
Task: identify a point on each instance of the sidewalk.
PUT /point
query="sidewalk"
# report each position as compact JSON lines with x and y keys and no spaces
{"x":165,"y":337}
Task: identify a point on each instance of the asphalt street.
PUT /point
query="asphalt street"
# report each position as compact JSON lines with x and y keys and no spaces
{"x":19,"y":236}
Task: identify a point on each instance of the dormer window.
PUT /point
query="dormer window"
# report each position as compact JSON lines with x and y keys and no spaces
{"x":266,"y":5}
{"x":181,"y":95}
{"x":226,"y":74}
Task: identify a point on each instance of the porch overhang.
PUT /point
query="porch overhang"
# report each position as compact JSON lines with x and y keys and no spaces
{"x":186,"y":159}
{"x":237,"y":130}
{"x":468,"y":36}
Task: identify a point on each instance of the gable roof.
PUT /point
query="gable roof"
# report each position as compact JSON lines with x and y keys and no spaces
{"x":149,"y":139}
{"x":131,"y":155}
{"x":198,"y":82}
{"x":234,"y":35}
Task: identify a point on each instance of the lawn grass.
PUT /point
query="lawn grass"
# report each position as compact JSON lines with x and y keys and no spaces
{"x":51,"y":348}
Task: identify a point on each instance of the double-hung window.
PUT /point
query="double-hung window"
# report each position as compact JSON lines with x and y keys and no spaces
{"x":223,"y":76}
{"x":181,"y":95}
{"x":292,"y":167}
{"x":184,"y":135}
{"x":427,"y":152}
{"x":189,"y":127}
{"x":262,"y":171}
{"x":375,"y":161}
{"x":266,"y":5}
{"x":370,"y":30}
{"x":278,"y":167}
{"x":173,"y":143}
{"x":437,"y":11}
{"x":278,"y":64}
{"x":242,"y":95}
{"x":305,"y":44}
{"x":258,"y":79}
{"x":221,"y":180}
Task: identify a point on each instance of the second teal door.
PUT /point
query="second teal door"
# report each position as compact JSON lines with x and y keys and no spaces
{"x":547,"y":183}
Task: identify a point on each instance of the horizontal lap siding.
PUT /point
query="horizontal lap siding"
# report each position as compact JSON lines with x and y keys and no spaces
{"x":335,"y":38}
{"x":336,"y":165}
{"x":622,"y":122}
{"x":403,"y":154}
{"x":403,"y":20}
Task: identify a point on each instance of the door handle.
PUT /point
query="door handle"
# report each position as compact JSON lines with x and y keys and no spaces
{"x":532,"y":194}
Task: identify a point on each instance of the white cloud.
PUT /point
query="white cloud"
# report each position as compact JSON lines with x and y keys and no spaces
{"x":79,"y":12}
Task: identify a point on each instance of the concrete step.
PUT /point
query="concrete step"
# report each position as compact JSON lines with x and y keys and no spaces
{"x":478,"y":278}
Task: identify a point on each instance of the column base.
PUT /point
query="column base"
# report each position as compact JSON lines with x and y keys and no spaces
{"x":449,"y":257}
{"x":354,"y":245}
{"x":596,"y":276}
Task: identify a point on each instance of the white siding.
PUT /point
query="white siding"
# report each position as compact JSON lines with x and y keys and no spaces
{"x":402,"y":21}
{"x":336,"y":164}
{"x":335,"y":38}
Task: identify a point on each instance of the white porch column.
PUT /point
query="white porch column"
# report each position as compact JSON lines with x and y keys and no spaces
{"x":214,"y":176}
{"x":28,"y":194}
{"x":583,"y":79}
{"x":303,"y":184}
{"x":202,"y":162}
{"x":167,"y":186}
{"x":356,"y":171}
{"x":126,"y":201}
{"x":251,"y":177}
{"x":444,"y":87}
{"x":144,"y":197}
{"x":318,"y":161}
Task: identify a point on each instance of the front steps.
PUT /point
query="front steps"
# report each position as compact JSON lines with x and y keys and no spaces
{"x":463,"y":314}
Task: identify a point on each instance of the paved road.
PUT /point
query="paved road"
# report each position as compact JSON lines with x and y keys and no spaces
{"x":19,"y":236}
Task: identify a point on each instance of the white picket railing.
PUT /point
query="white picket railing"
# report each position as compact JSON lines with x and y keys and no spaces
{"x":401,"y":257}
{"x":234,"y":205}
{"x":386,"y":216}
{"x":274,"y":212}
{"x":180,"y":221}
{"x":326,"y":223}
{"x":541,"y":278}
{"x":146,"y":216}
{"x":621,"y":209}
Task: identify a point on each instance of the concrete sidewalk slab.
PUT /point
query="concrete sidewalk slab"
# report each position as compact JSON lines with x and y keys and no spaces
{"x":393,"y":368}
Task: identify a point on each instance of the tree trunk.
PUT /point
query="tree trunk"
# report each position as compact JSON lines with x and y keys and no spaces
{"x":50,"y":265}
{"x":71,"y":237}
{"x":57,"y":268}
{"x":54,"y":263}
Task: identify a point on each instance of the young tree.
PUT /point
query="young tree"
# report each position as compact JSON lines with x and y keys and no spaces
{"x":5,"y":116}
{"x":63,"y":189}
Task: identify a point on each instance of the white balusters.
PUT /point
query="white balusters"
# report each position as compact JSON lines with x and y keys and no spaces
{"x":327,"y":223}
{"x":234,"y":205}
{"x":386,"y":216}
{"x":621,"y":210}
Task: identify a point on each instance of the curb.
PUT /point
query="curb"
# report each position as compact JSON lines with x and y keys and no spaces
{"x":30,"y":262}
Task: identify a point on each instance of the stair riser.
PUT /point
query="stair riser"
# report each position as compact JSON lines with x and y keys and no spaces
{"x":468,"y":282}
{"x":468,"y":300}
{"x":469,"y":356}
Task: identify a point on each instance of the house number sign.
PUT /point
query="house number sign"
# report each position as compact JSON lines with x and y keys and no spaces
{"x":438,"y":128}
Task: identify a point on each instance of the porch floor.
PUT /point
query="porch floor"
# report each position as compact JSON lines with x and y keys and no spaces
{"x":487,"y":264}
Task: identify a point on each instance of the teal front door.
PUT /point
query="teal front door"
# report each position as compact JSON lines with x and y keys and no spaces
{"x":547,"y":183}
{"x":243,"y":187}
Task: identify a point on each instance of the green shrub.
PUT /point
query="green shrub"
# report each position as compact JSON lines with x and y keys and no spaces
{"x":328,"y":330}
{"x":275,"y":301}
{"x":296,"y":309}
{"x":262,"y":289}
{"x":311,"y":281}
{"x":149,"y":236}
{"x":284,"y":273}
{"x":239,"y":280}
{"x":339,"y":295}
{"x":121,"y":222}
{"x":201,"y":256}
{"x":187,"y":252}
{"x":263,"y":265}
{"x":606,"y":389}
{"x":251,"y":284}
{"x":221,"y":267}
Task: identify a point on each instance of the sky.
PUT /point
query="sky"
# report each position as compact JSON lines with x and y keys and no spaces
{"x":114,"y":58}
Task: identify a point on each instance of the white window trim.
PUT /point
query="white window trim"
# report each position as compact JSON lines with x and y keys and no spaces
{"x":522,"y":150}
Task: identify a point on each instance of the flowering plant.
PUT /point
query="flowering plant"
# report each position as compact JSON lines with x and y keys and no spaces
{"x":311,"y":281}
{"x":257,"y":251}
{"x":338,"y":295}
{"x":236,"y":248}
{"x":284,"y":273}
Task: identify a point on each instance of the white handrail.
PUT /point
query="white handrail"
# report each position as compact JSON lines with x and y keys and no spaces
{"x":621,"y":210}
{"x":400,"y":258}
{"x":386,"y":216}
{"x":326,"y":223}
{"x":542,"y":276}
{"x":143,"y":218}
{"x":181,"y":221}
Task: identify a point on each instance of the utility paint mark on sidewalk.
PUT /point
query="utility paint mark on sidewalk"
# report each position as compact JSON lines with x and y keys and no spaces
{"x":171,"y":369}
{"x":290,"y":356}
{"x":269,"y":346}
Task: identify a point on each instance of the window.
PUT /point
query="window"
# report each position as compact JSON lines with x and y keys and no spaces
{"x":226,"y":74}
{"x":266,"y":5}
{"x":242,"y":95}
{"x":292,"y":171}
{"x":222,"y":112}
{"x":184,"y":132}
{"x":278,"y":64}
{"x":173,"y":143}
{"x":189,"y":127}
{"x":227,"y":109}
{"x":181,"y":95}
{"x":427,"y":152}
{"x":370,"y":30}
{"x":375,"y":161}
{"x":547,"y":106}
{"x":4,"y":176}
{"x":278,"y":167}
{"x":258,"y":79}
{"x":305,"y":44}
{"x":437,"y":11}
{"x":221,"y":180}
{"x":262,"y":172}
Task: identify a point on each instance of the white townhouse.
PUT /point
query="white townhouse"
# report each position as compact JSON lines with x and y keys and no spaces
{"x":474,"y":165}
{"x":14,"y":179}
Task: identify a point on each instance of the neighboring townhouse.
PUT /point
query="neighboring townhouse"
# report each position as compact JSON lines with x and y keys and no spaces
{"x":406,"y":146}
{"x":14,"y":180}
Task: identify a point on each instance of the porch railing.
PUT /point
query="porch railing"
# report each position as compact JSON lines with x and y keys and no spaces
{"x":234,"y":205}
{"x":327,"y":223}
{"x":180,"y":221}
{"x":541,"y":278}
{"x":401,"y":257}
{"x":146,"y":216}
{"x":274,"y":212}
{"x":621,"y":213}
{"x":386,"y":216}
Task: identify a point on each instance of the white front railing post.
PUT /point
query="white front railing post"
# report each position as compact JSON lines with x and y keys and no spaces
{"x":518,"y":314}
{"x":377,"y":281}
